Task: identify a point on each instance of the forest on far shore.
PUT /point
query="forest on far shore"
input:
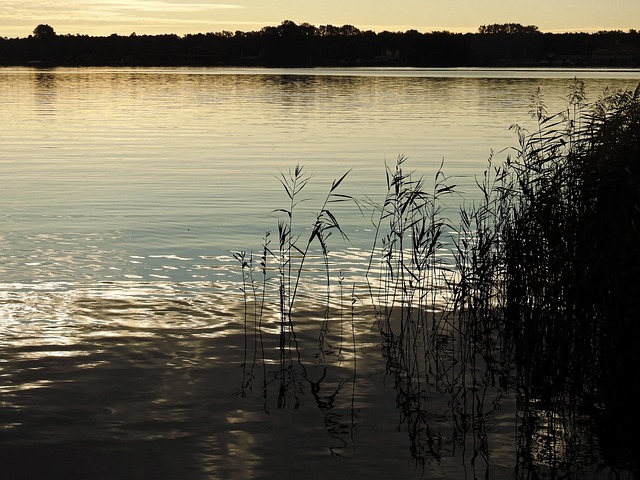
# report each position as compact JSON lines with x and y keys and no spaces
{"x":304,"y":45}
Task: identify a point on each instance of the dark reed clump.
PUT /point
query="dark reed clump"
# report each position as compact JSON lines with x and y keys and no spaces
{"x":609,"y":258}
{"x":568,"y":218}
{"x":542,"y":289}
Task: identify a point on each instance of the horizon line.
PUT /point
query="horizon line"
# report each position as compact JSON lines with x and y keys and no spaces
{"x":363,"y":28}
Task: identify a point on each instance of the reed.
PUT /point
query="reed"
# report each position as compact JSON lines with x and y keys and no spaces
{"x":566,"y":236}
{"x":543,"y":287}
{"x":324,"y":224}
{"x":535,"y":290}
{"x":281,"y":267}
{"x":405,"y":268}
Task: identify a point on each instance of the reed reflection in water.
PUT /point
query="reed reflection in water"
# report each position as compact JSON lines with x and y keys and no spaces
{"x":154,"y":381}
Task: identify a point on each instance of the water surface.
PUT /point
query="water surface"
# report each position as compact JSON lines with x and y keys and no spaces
{"x":126,"y":350}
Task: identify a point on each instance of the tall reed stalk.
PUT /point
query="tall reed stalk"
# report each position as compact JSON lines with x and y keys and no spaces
{"x":297,"y":250}
{"x":405,"y":267}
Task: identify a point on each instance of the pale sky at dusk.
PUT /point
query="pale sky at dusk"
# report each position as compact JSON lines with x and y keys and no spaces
{"x":104,"y":17}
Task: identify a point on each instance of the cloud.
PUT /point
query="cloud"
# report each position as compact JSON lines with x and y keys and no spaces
{"x":19,"y":9}
{"x":19,"y":17}
{"x":156,"y":5}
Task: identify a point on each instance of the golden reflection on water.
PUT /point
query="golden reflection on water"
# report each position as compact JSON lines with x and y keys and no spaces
{"x":25,"y":386}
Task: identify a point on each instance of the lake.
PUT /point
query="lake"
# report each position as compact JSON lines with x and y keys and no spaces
{"x":127,"y":349}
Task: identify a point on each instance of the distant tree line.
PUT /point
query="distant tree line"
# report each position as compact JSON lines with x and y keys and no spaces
{"x":304,"y":45}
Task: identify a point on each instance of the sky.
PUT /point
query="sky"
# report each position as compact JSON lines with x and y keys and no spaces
{"x":18,"y":18}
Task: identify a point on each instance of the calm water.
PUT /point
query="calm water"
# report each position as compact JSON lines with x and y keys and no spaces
{"x":123,"y":351}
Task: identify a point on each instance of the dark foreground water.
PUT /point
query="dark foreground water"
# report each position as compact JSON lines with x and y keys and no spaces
{"x":116,"y":383}
{"x":136,"y":382}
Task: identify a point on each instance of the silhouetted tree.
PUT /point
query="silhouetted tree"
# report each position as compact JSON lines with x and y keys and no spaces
{"x":510,"y":28}
{"x":44,"y":32}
